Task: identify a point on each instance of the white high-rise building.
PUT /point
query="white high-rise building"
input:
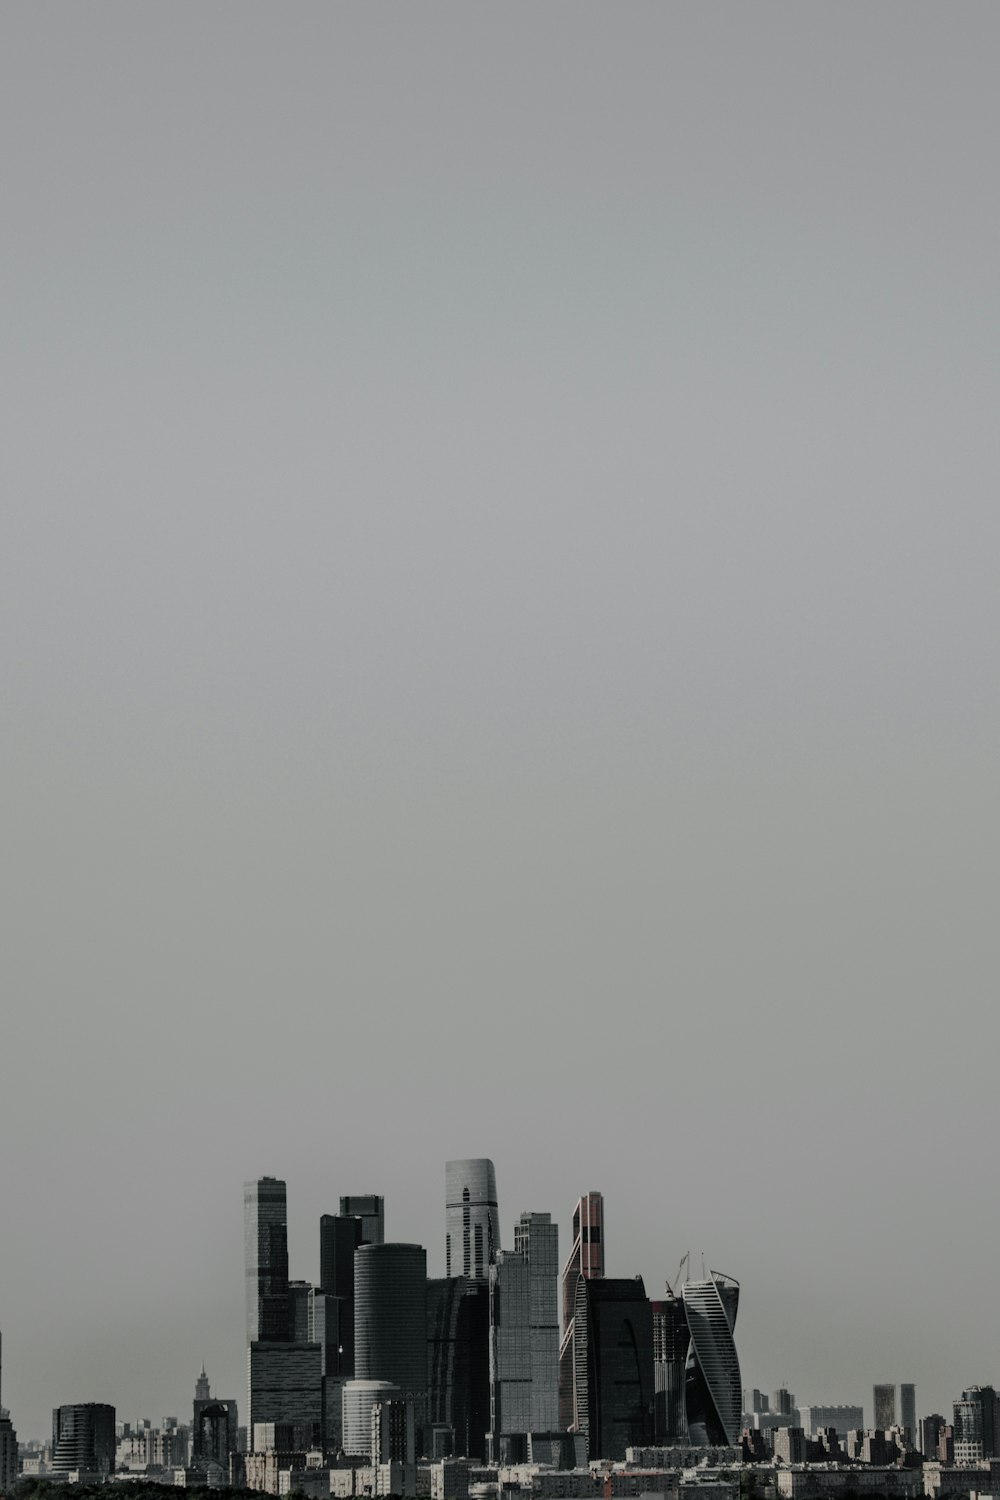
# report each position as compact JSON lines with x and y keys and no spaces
{"x":472,"y":1223}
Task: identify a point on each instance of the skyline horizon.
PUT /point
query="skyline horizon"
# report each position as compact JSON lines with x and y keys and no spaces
{"x":866,"y":1403}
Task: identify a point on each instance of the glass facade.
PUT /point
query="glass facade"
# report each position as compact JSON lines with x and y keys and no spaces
{"x":537,"y":1238}
{"x":458,"y":1362}
{"x":714,"y":1388}
{"x":390,"y":1314}
{"x":339,"y":1237}
{"x":285,"y":1385}
{"x":613,"y":1356}
{"x":472,"y":1222}
{"x":83,"y":1437}
{"x":671,"y":1340}
{"x":586,"y":1258}
{"x":265,"y":1225}
{"x":370,"y":1209}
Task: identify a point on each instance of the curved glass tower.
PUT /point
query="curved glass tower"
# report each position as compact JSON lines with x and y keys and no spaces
{"x":472,"y":1222}
{"x":390,"y":1319}
{"x":714,"y":1385}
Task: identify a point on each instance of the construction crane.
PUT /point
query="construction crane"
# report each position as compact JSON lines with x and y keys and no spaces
{"x":685,"y":1261}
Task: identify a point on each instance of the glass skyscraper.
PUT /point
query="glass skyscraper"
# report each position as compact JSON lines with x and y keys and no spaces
{"x":472,"y":1222}
{"x":586,"y":1258}
{"x":714,"y":1393}
{"x":613,"y":1352}
{"x":265,"y":1225}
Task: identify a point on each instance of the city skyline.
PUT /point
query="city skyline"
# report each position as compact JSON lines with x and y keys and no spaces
{"x":272,"y":1221}
{"x":498,"y":626}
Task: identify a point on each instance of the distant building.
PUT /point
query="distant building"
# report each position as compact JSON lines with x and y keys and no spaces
{"x":789,"y":1445}
{"x":214,"y":1426}
{"x":586,"y":1258}
{"x":783,"y":1402}
{"x":613,"y":1350}
{"x":265,"y":1215}
{"x":370,"y":1209}
{"x":83,"y":1439}
{"x":929,"y":1433}
{"x":472,"y":1221}
{"x":843,"y":1419}
{"x":908,"y":1411}
{"x":884,"y":1402}
{"x":976,"y":1424}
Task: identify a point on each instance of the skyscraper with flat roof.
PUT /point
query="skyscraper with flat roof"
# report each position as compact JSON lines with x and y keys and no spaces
{"x":370,"y":1209}
{"x":390,"y":1311}
{"x":537,"y":1239}
{"x":510,"y":1357}
{"x":908,"y":1411}
{"x":671,"y":1340}
{"x":586,"y":1258}
{"x":976,"y":1424}
{"x":458,"y":1361}
{"x":83,"y":1438}
{"x":472,"y":1222}
{"x":265,"y":1224}
{"x":884,"y":1401}
{"x":339,"y":1237}
{"x":613,"y":1349}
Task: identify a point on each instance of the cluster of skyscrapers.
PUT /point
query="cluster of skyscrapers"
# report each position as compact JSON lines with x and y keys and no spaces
{"x":516,"y":1361}
{"x":477,"y":1363}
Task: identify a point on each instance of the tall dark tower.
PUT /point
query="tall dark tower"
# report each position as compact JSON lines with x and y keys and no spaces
{"x":390,"y":1319}
{"x":613,"y":1350}
{"x":458,"y":1361}
{"x":339,"y":1237}
{"x":265,"y":1224}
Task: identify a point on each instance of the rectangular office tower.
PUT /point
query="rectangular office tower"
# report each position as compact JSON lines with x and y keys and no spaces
{"x":537,"y":1239}
{"x":265,"y":1226}
{"x":884,"y":1401}
{"x":370,"y":1209}
{"x":524,"y":1339}
{"x":908,"y":1411}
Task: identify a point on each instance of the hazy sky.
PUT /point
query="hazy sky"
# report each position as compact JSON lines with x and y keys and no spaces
{"x":499,"y":637}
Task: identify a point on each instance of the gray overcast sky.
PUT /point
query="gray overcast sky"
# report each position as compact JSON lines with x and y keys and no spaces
{"x":498,"y":627}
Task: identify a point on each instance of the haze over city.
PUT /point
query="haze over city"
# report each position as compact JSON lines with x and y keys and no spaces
{"x":498,"y":629}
